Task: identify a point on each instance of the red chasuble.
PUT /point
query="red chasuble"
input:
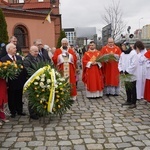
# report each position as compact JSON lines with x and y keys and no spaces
{"x":71,"y":68}
{"x":3,"y":92}
{"x":92,"y":77}
{"x":110,"y":69}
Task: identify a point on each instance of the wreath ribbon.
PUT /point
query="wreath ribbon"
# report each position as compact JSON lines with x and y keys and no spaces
{"x":52,"y":91}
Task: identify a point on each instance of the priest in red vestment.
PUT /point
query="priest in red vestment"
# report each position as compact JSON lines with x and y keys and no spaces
{"x":65,"y":60}
{"x":110,"y":69}
{"x":92,"y":74}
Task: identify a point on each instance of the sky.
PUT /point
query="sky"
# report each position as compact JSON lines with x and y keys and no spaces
{"x":88,"y":13}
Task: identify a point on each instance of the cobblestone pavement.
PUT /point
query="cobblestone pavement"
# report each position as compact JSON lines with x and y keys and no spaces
{"x":98,"y":124}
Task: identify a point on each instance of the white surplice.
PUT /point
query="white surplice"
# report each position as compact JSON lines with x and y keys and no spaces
{"x":141,"y":74}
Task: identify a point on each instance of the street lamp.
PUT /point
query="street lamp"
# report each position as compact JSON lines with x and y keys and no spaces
{"x":140,"y":22}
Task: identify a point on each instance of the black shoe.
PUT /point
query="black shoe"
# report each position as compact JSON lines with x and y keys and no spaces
{"x":92,"y":97}
{"x":22,"y":114}
{"x":126,"y":104}
{"x":13,"y":116}
{"x":34,"y":117}
{"x":115,"y":95}
{"x":107,"y":94}
{"x":132,"y":106}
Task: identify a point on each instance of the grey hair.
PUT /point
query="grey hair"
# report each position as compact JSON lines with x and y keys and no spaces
{"x":35,"y":41}
{"x":8,"y":46}
{"x":64,"y":40}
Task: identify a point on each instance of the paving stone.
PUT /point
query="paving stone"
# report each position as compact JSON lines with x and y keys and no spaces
{"x":63,"y":137}
{"x":114,"y":140}
{"x":25,"y":148}
{"x":127,"y":139}
{"x":147,"y":142}
{"x":89,"y":140}
{"x":24,"y":139}
{"x":26,"y":134}
{"x":7,"y":144}
{"x":20,"y":144}
{"x":109,"y":146}
{"x":41,"y":148}
{"x":51,"y":143}
{"x":120,"y":133}
{"x":132,"y":148}
{"x":123,"y":145}
{"x":35,"y":143}
{"x":12,"y":139}
{"x":77,"y":141}
{"x":146,"y":148}
{"x":50,"y":133}
{"x":140,"y":137}
{"x":94,"y":146}
{"x":79,"y":147}
{"x":138,"y":143}
{"x":64,"y":143}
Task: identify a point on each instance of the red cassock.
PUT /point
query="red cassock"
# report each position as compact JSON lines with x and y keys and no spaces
{"x":72,"y":68}
{"x":146,"y":91}
{"x":92,"y":77}
{"x":3,"y":92}
{"x":110,"y":69}
{"x":147,"y":83}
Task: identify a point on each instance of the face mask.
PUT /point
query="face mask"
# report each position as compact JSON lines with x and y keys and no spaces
{"x":64,"y":47}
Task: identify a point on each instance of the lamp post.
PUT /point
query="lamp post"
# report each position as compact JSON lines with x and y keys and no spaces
{"x":140,"y":29}
{"x":140,"y":22}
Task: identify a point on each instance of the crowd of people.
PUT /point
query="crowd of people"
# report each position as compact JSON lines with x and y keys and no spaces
{"x":131,"y":61}
{"x":99,"y":78}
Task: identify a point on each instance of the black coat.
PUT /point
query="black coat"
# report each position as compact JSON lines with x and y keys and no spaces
{"x":18,"y":83}
{"x":29,"y":61}
{"x":44,"y":56}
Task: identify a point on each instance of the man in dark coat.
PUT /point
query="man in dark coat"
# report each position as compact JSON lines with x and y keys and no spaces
{"x":31,"y":59}
{"x":42,"y":52}
{"x":15,"y":86}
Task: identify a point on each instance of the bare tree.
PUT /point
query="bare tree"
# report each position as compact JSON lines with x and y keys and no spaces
{"x":113,"y":15}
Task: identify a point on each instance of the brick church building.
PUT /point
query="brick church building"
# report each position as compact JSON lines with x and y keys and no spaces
{"x":25,"y":20}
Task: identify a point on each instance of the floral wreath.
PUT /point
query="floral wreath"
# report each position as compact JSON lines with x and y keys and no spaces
{"x":48,"y":92}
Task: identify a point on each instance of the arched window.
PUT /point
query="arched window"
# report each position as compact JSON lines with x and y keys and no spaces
{"x":22,"y":36}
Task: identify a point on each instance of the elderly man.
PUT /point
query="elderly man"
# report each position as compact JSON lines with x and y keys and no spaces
{"x":31,"y":59}
{"x":65,"y":59}
{"x":15,"y":86}
{"x":12,"y":40}
{"x":110,"y":69}
{"x":42,"y":52}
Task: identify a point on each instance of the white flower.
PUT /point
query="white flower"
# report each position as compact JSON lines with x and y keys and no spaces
{"x":43,"y":75}
{"x":41,"y":84}
{"x":17,"y":54}
{"x":42,"y":79}
{"x":56,"y":85}
{"x":37,"y":78}
{"x":35,"y":83}
{"x":61,"y":79}
{"x":60,"y":83}
{"x":48,"y":86}
{"x":48,"y":81}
